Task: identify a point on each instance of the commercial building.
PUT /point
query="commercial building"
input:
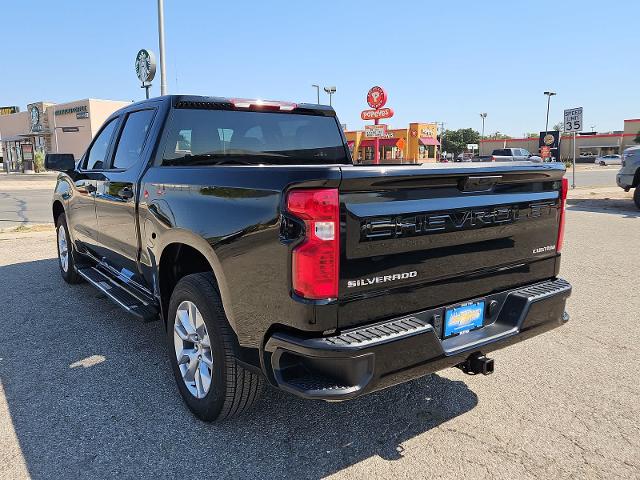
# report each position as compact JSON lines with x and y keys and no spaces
{"x":418,"y":143}
{"x":51,"y":128}
{"x":587,"y":144}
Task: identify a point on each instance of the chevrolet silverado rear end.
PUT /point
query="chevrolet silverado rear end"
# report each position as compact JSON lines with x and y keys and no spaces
{"x":422,"y":268}
{"x":244,"y":226}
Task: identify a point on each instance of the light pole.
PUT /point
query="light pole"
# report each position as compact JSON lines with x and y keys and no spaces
{"x":592,"y":128}
{"x":330,"y":91}
{"x":441,"y":140}
{"x":483,"y":116}
{"x":163,"y":71}
{"x":317,"y":87}
{"x":549,"y":95}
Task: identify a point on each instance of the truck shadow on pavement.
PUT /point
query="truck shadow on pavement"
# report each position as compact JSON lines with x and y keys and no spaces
{"x":90,"y":395}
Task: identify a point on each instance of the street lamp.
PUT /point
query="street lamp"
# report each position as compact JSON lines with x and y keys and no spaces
{"x":330,"y":91}
{"x":549,"y":95}
{"x":317,"y":87}
{"x":483,"y":116}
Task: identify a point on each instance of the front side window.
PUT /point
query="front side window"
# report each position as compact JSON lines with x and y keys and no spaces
{"x":96,"y":157}
{"x":132,"y":139}
{"x":214,"y":137}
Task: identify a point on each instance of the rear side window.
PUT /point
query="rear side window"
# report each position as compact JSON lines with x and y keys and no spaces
{"x":215,"y":137}
{"x":502,"y":152}
{"x":132,"y":139}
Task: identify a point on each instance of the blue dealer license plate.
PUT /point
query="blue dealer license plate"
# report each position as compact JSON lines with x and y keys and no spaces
{"x":463,"y":318}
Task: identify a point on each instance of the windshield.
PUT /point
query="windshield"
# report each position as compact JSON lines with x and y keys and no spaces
{"x":215,"y":137}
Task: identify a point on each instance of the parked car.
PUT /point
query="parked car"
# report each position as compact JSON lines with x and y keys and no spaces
{"x":464,"y":157}
{"x":244,"y":227}
{"x":608,"y":160}
{"x":513,"y":155}
{"x":629,"y":175}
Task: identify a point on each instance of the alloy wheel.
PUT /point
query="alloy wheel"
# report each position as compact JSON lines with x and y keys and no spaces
{"x":63,"y":250}
{"x":193,"y":349}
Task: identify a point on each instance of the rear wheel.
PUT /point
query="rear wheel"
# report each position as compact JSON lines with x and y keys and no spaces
{"x":201,"y":349}
{"x":636,"y":196}
{"x":602,"y":164}
{"x":66,"y":260}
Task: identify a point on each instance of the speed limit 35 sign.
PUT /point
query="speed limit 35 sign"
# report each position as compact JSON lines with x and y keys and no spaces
{"x":573,"y":120}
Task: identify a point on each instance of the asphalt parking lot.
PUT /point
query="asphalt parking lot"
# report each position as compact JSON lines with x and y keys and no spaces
{"x":86,"y":392}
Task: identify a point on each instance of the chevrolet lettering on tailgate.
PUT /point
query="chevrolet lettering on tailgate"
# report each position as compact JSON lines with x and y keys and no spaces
{"x":428,"y":223}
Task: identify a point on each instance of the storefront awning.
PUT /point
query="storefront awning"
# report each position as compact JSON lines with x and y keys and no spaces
{"x":429,"y":141}
{"x":384,"y":142}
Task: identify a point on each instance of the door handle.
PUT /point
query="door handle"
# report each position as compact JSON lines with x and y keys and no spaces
{"x":125,"y":193}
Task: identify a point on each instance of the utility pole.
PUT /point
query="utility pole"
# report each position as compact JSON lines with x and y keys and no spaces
{"x":483,"y":116}
{"x":163,"y":59}
{"x":317,"y":87}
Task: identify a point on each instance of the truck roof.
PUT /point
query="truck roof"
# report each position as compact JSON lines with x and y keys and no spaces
{"x":211,"y":102}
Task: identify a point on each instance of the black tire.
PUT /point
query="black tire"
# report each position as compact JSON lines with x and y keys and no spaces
{"x":602,"y":164}
{"x":70,"y":275}
{"x":233,"y":389}
{"x":636,"y":197}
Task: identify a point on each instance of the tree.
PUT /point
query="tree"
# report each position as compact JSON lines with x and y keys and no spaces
{"x":455,"y":141}
{"x":499,"y":136}
{"x":531,"y":135}
{"x":558,"y":127}
{"x":637,"y":139}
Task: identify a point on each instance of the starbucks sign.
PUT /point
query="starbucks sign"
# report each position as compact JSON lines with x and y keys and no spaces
{"x":145,"y":65}
{"x":35,"y":118}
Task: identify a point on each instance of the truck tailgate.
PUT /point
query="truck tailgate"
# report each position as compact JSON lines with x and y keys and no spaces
{"x":424,"y":236}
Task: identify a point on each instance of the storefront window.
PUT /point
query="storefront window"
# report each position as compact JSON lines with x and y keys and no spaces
{"x":368,"y":153}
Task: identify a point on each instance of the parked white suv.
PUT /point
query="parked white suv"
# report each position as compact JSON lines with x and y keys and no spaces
{"x":629,"y":175}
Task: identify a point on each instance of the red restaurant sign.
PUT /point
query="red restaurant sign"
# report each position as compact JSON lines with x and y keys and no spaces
{"x":376,"y":114}
{"x":545,"y":152}
{"x":376,"y":97}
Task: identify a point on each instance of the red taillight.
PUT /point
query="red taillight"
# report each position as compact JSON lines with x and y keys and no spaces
{"x":563,"y":200}
{"x":493,"y":159}
{"x":315,"y":262}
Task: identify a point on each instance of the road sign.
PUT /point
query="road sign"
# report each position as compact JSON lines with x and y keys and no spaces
{"x":573,"y":120}
{"x":472,"y":146}
{"x":375,"y":131}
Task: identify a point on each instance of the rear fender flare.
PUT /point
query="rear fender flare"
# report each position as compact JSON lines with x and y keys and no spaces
{"x":187,"y":237}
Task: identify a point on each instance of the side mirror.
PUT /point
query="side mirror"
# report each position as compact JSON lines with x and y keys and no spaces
{"x":61,"y":162}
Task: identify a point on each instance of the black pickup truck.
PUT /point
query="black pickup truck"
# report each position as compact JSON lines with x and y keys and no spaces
{"x":244,"y":226}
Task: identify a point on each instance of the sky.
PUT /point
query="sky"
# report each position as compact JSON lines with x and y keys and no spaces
{"x":438,"y":61}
